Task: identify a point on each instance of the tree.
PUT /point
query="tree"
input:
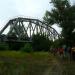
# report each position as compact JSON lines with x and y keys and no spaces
{"x":40,"y":43}
{"x":63,"y":14}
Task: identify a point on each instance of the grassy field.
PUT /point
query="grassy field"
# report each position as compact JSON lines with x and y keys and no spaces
{"x":37,"y":63}
{"x":19,"y":63}
{"x":68,"y":67}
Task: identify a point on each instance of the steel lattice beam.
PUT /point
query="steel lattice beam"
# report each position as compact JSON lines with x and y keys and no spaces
{"x":27,"y":27}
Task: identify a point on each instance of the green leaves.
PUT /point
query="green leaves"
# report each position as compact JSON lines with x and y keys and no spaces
{"x":41,"y":43}
{"x":63,"y":14}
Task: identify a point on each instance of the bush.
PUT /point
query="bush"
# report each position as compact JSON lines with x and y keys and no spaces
{"x":40,"y":43}
{"x":27,"y":48}
{"x":15,"y":45}
{"x":4,"y":46}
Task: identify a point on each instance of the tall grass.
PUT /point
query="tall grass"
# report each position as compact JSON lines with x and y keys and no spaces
{"x":19,"y":63}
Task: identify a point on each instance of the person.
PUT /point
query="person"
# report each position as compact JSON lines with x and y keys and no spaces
{"x":65,"y":50}
{"x":61,"y":51}
{"x":55,"y":51}
{"x":73,"y":53}
{"x":69,"y":52}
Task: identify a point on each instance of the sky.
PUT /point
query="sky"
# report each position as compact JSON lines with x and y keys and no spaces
{"x":28,"y":8}
{"x":10,"y":9}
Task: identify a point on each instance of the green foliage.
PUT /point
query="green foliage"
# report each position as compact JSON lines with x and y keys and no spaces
{"x":59,"y":13}
{"x":21,"y":63}
{"x":15,"y":45}
{"x":63,"y":14}
{"x":27,"y":48}
{"x":40,"y":43}
{"x":4,"y":46}
{"x":58,"y":43}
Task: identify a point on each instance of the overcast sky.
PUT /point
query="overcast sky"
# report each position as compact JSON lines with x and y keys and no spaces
{"x":27,"y":8}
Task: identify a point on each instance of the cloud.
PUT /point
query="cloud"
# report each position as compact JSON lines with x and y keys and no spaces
{"x":7,"y":9}
{"x":57,"y":28}
{"x":33,"y":8}
{"x":28,"y":8}
{"x":72,"y":2}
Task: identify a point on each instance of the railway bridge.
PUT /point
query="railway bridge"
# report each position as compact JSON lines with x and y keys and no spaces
{"x":22,"y":29}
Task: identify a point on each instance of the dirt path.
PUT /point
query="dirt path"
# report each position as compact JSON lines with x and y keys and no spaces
{"x":55,"y":68}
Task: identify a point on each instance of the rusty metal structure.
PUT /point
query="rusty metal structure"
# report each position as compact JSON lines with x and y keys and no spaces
{"x":25,"y":28}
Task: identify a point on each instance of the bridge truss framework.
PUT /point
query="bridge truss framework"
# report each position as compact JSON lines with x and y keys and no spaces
{"x":28,"y":27}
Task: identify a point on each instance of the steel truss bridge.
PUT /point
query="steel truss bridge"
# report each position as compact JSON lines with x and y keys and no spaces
{"x":24,"y":28}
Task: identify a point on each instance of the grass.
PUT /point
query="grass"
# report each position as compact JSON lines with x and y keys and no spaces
{"x":36,"y":63}
{"x":69,"y":67}
{"x":19,"y":63}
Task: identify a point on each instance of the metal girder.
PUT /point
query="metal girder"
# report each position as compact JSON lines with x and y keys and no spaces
{"x":28,"y":27}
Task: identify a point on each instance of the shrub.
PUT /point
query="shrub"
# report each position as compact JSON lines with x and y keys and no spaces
{"x":15,"y":45}
{"x":40,"y":43}
{"x":4,"y":46}
{"x":27,"y":48}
